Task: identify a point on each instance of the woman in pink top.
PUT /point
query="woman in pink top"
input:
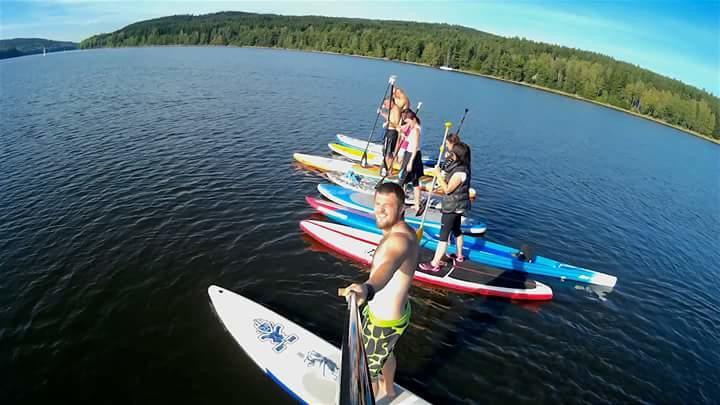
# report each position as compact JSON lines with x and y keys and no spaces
{"x":409,"y":148}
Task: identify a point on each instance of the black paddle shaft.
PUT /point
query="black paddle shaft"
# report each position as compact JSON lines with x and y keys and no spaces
{"x":461,"y":122}
{"x":391,"y":85}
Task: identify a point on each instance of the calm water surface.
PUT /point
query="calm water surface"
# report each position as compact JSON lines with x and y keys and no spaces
{"x":132,"y":179}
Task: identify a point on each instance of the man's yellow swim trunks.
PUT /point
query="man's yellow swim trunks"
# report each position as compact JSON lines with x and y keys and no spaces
{"x":380,"y":337}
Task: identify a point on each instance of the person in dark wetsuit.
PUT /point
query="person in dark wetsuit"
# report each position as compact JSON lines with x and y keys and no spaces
{"x":456,"y":203}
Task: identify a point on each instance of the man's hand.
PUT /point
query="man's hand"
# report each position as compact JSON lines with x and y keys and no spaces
{"x":359,"y":289}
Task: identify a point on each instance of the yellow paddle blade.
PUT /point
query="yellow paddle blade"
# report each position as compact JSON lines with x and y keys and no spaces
{"x":419,"y":234}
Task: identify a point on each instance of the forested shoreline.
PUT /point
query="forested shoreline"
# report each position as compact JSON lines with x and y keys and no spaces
{"x":16,"y":47}
{"x":575,"y":72}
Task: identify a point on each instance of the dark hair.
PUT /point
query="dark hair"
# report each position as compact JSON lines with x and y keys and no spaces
{"x":453,"y":138}
{"x":392,"y":188}
{"x":462,"y":153}
{"x":411,"y":114}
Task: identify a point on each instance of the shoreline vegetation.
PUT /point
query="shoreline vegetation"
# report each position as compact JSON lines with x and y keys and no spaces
{"x":536,"y":87}
{"x":573,"y":73}
{"x":17,"y":47}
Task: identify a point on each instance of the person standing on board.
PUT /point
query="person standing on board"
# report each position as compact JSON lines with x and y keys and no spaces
{"x":451,"y":140}
{"x":397,"y":104}
{"x":401,"y":99}
{"x":387,"y":313}
{"x":411,"y":159}
{"x":456,"y":202}
{"x":392,"y":118}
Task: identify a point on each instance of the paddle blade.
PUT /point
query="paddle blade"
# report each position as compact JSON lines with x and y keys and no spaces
{"x":419,"y":234}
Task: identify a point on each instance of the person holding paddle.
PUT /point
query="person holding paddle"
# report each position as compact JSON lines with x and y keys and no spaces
{"x":410,"y":156}
{"x":387,"y":313}
{"x":396,"y":105}
{"x":401,"y":99}
{"x":393,"y":122}
{"x":456,"y":202}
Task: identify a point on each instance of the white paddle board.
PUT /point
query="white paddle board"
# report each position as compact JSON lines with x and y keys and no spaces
{"x":303,"y":364}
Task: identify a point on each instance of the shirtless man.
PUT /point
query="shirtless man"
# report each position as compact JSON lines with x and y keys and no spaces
{"x":401,"y":99}
{"x":387,"y":313}
{"x":400,"y":103}
{"x":393,"y":118}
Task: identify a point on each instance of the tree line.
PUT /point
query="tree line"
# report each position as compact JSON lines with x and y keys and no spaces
{"x":586,"y":74}
{"x":12,"y":48}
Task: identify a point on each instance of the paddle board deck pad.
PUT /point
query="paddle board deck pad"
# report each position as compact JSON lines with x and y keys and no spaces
{"x":324,"y":163}
{"x":302,"y":363}
{"x":375,"y":148}
{"x":475,"y":248}
{"x":467,"y":277}
{"x":364,"y":202}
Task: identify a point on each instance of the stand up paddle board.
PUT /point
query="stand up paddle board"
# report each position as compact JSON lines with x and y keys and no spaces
{"x":323,"y":163}
{"x":300,"y":362}
{"x":475,"y":248}
{"x":364,"y":202}
{"x":364,"y":184}
{"x":350,"y":182}
{"x":463,"y":277}
{"x":374,"y":147}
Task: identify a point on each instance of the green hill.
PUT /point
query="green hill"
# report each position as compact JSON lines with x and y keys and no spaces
{"x":11,"y":48}
{"x":585,"y":74}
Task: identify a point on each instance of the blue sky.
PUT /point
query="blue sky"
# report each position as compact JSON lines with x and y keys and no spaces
{"x":680,"y":39}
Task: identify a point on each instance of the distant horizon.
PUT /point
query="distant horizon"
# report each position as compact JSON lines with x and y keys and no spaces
{"x":679,"y":43}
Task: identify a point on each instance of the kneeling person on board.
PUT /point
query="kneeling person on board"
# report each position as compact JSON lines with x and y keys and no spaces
{"x":387,"y":313}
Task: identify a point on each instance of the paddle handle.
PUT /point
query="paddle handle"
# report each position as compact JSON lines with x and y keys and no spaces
{"x":462,"y":121}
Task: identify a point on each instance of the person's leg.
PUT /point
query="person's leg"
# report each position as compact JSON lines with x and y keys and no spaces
{"x":439,"y":254}
{"x":457,"y":232}
{"x":416,"y":192}
{"x":459,"y":247}
{"x":445,"y":230}
{"x":384,"y":335}
{"x":388,"y":374}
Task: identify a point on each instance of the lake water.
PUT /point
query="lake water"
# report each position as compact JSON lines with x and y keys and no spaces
{"x":131,"y":179}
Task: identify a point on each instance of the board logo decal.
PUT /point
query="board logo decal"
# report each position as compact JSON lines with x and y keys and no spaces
{"x":328,"y":367}
{"x":273,"y":332}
